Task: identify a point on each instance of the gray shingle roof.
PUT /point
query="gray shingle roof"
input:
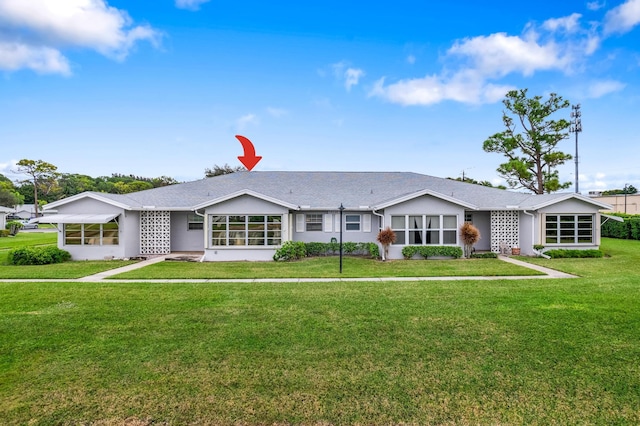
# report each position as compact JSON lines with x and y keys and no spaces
{"x":327,"y":190}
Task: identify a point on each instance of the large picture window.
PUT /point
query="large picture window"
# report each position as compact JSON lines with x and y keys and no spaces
{"x":91,"y":234}
{"x":569,"y":229}
{"x":245,"y":230}
{"x":425,"y":229}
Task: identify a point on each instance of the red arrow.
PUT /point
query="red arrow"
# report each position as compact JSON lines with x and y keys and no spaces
{"x":249,"y":159}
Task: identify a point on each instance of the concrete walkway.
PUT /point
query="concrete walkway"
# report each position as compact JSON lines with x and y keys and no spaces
{"x":549,"y":273}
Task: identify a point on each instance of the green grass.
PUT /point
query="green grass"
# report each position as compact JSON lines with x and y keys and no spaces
{"x":58,"y":271}
{"x":437,"y":352}
{"x":327,"y":267}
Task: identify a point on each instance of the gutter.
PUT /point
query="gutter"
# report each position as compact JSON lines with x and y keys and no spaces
{"x":205,"y":232}
{"x":380,"y":215}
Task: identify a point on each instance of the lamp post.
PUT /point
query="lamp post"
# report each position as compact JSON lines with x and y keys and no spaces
{"x":576,"y":127}
{"x":341,"y":208}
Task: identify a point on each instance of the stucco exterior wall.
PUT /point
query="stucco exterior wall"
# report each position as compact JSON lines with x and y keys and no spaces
{"x":243,"y":205}
{"x":369,"y":227}
{"x":482,"y":221}
{"x":95,"y":252}
{"x":571,"y":207}
{"x":183,"y":238}
{"x":428,"y":205}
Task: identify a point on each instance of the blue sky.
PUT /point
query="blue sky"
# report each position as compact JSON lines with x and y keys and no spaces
{"x":161,"y":88}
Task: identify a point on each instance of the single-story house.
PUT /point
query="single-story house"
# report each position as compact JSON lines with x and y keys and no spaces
{"x":248,"y":215}
{"x":24,"y":211}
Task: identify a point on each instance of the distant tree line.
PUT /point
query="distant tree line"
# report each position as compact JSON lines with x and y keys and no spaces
{"x":44,"y":184}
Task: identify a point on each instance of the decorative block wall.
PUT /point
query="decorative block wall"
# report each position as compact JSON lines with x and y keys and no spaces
{"x":504,"y":230}
{"x":155,"y":232}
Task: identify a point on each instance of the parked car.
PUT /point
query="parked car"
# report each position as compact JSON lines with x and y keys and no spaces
{"x":26,"y":224}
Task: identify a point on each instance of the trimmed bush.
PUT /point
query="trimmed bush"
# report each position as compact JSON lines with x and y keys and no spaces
{"x":487,"y":255}
{"x":37,"y":256}
{"x":563,"y":254}
{"x":627,"y":230}
{"x":4,"y":232}
{"x":432,"y":251}
{"x":290,"y":250}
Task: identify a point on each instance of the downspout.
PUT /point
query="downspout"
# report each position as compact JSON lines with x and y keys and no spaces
{"x":204,"y":220}
{"x":533,"y":234}
{"x":381,"y":228}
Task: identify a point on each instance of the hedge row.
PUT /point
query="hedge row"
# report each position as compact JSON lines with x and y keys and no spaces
{"x":37,"y":256}
{"x":294,"y":250}
{"x":627,"y":230}
{"x":432,"y":251}
{"x":563,"y":254}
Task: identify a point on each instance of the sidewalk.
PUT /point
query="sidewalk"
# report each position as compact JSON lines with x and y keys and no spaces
{"x":549,"y":273}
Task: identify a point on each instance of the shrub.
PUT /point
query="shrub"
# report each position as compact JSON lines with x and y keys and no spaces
{"x":13,"y":226}
{"x":37,"y":256}
{"x":432,"y":251}
{"x":290,"y":250}
{"x":386,"y":237}
{"x":4,"y":232}
{"x":469,"y":235}
{"x":562,"y":253}
{"x":629,"y":229}
{"x":316,"y":249}
{"x":487,"y":255}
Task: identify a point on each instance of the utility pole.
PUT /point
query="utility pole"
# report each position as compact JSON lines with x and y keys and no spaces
{"x":576,"y":127}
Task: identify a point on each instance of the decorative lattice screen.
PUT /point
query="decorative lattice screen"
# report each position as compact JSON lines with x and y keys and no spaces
{"x":504,"y":230}
{"x":155,"y":232}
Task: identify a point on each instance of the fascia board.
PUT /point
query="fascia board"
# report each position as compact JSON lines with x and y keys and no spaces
{"x":568,"y":197}
{"x":86,"y":195}
{"x":420,"y":194}
{"x":241,"y":193}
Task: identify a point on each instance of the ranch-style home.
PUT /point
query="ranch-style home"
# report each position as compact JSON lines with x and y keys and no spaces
{"x":248,"y":215}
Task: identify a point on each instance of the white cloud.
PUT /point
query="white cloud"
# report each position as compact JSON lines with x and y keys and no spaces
{"x":277,"y":112}
{"x":500,"y":54}
{"x":623,"y":18}
{"x":595,"y":5}
{"x":569,"y":24}
{"x":246,"y":120}
{"x":190,"y":4}
{"x":604,"y":87}
{"x":465,"y":87}
{"x":351,"y":76}
{"x":42,"y":28}
{"x":15,"y":56}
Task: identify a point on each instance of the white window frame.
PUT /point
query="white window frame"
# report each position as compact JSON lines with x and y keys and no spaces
{"x":245,"y":231}
{"x":195,"y":222}
{"x":351,"y":222}
{"x":317,"y":222}
{"x":439,"y":228}
{"x":575,"y":229}
{"x":100,"y":238}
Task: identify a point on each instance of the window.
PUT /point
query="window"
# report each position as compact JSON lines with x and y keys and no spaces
{"x":91,"y":234}
{"x":195,"y":221}
{"x":352,"y":222}
{"x":569,"y":229}
{"x":425,"y":229}
{"x":313,"y":222}
{"x":254,"y":230}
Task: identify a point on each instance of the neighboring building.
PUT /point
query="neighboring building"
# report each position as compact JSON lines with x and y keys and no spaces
{"x":4,"y":212}
{"x":248,"y":215}
{"x":24,"y":211}
{"x":621,"y":203}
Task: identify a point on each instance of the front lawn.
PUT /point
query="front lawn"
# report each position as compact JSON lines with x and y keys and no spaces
{"x":73,"y":269}
{"x":530,"y":351}
{"x":327,"y":267}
